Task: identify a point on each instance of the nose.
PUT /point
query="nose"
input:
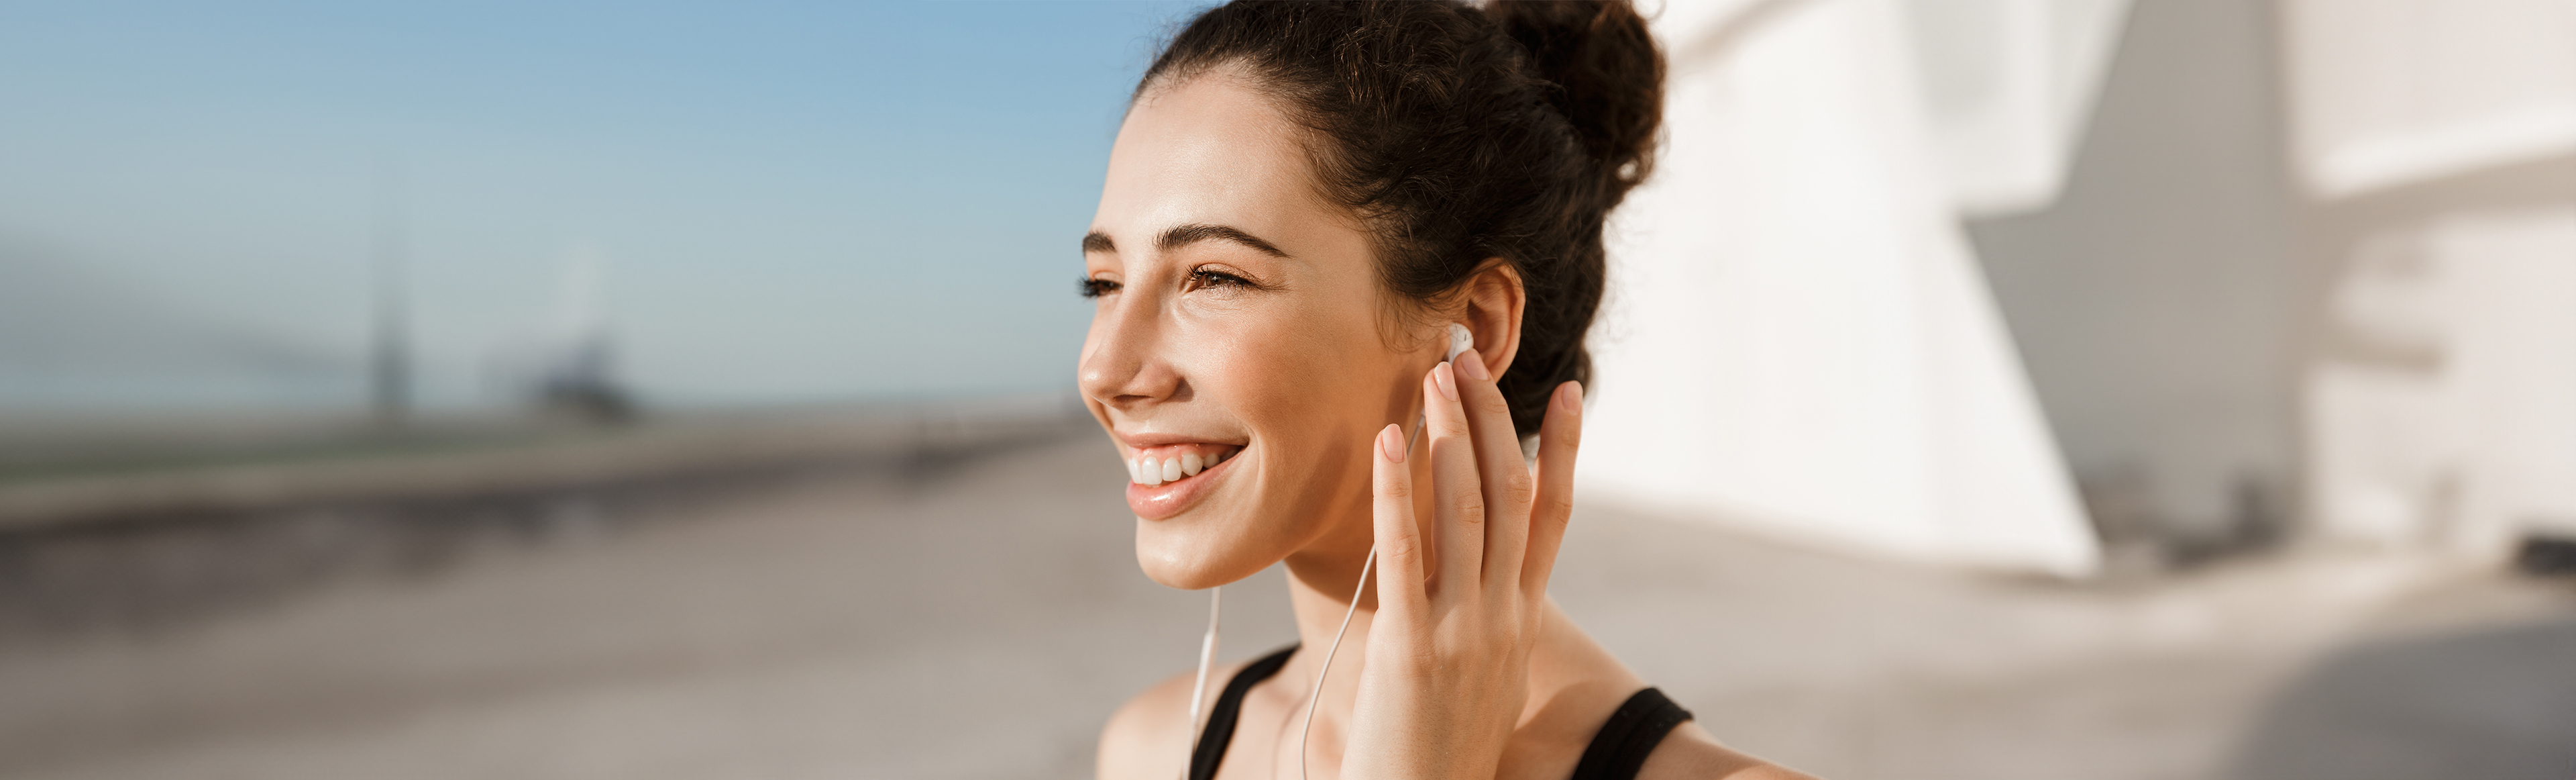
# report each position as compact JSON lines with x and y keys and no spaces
{"x":1123,"y":367}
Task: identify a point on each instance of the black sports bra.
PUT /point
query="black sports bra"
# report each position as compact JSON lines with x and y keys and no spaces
{"x":1617,"y":750}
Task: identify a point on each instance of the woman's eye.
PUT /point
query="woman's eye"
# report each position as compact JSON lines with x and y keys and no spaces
{"x":1207,"y":278}
{"x":1094,"y":288}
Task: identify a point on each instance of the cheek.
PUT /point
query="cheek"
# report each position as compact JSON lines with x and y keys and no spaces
{"x":1283,"y":388}
{"x":1311,"y":401}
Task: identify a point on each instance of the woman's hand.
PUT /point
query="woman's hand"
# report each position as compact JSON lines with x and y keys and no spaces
{"x":1448,"y":654}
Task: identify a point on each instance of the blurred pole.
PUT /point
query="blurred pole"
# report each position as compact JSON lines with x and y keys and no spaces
{"x":391,"y":375}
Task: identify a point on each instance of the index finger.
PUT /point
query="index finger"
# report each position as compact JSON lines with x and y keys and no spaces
{"x":1461,"y":515}
{"x":1503,"y":475}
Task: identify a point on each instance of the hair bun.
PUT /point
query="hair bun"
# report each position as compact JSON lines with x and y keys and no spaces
{"x":1608,"y":74}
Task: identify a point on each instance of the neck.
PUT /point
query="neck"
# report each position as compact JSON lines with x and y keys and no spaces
{"x":1320,"y":589}
{"x":1322,"y":581}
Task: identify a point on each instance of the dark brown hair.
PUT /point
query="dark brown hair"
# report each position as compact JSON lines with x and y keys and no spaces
{"x":1460,"y":134}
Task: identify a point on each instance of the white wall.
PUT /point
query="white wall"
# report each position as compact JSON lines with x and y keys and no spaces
{"x":1797,"y":338}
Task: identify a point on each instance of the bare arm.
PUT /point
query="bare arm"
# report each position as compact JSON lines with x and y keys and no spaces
{"x":1689,"y":753}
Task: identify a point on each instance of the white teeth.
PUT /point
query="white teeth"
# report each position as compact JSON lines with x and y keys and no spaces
{"x":1150,"y":471}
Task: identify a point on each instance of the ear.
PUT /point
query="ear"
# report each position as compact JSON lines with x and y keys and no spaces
{"x":1494,"y":303}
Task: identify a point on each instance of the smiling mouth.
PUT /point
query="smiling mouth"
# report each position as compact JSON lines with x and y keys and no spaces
{"x":1154,"y":466}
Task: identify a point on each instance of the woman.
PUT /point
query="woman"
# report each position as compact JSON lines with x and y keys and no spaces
{"x":1302,"y":200}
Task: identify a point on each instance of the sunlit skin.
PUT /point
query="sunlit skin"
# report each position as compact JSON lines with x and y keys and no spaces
{"x":1239,"y":314}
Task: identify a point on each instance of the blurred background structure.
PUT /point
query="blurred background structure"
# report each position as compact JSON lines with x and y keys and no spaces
{"x":1994,"y":388}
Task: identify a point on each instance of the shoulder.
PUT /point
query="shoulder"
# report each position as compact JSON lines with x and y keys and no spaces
{"x":1689,"y":753}
{"x":1147,"y":737}
{"x":1580,"y":684}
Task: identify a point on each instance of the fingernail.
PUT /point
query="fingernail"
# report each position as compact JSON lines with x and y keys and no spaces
{"x":1447,"y":382}
{"x":1473,"y":365}
{"x":1391,"y":441}
{"x":1569,"y":397}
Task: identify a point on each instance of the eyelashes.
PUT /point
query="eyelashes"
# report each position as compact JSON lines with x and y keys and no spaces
{"x":1204,"y":278}
{"x":1200,"y":279}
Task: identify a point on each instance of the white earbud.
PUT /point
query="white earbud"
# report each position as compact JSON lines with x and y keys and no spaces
{"x":1460,"y":339}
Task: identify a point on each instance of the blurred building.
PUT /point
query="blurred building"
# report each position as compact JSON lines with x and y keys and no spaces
{"x":2154,"y":297}
{"x":2435,"y":155}
{"x":1799,"y":337}
{"x":2304,"y":268}
{"x":2310,"y":273}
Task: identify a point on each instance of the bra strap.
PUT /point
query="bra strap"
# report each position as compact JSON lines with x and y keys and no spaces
{"x":1631,"y":733}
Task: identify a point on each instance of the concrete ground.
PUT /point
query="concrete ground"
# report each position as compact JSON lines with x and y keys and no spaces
{"x":978,"y":619}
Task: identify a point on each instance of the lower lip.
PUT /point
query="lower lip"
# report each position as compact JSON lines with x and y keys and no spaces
{"x":1162,"y":501}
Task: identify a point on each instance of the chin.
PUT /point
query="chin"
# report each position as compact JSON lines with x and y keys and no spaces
{"x":1196,"y":557}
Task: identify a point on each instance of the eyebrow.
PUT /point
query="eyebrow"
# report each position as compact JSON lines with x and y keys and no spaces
{"x":1184,"y":235}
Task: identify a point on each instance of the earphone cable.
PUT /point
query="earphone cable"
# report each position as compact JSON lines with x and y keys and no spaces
{"x":1198,"y":692}
{"x":1308,"y":729}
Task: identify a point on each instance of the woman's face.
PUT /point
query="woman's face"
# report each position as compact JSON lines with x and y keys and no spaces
{"x":1237,"y":323}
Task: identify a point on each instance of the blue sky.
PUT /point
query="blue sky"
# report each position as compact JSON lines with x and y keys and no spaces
{"x":796,"y":202}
